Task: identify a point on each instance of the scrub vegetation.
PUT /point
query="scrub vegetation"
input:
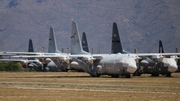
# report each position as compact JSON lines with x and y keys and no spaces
{"x":10,"y":66}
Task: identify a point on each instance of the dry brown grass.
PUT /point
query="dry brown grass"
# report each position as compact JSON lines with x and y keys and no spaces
{"x":72,"y":86}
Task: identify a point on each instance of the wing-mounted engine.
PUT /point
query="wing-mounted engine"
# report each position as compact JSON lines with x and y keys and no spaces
{"x":157,"y":58}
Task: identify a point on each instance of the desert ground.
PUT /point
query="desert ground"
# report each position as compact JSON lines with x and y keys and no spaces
{"x":79,"y":86}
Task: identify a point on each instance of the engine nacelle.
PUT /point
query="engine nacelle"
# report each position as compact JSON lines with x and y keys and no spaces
{"x":88,"y":59}
{"x":159,"y":58}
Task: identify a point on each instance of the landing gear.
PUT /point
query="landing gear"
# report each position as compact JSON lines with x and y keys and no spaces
{"x":168,"y":75}
{"x":94,"y":74}
{"x":114,"y":76}
{"x":128,"y":76}
{"x":137,"y":73}
{"x":154,"y":74}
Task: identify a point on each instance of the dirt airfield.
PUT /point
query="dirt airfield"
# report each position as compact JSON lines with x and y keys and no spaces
{"x":75,"y":86}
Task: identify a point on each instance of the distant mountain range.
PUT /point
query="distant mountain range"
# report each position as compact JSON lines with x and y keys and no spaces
{"x":141,"y":23}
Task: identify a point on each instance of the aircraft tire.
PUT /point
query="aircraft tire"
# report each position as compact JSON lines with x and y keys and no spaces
{"x":168,"y":75}
{"x":128,"y":76}
{"x":94,"y":75}
{"x":115,"y":76}
{"x":155,"y":74}
{"x":137,"y":73}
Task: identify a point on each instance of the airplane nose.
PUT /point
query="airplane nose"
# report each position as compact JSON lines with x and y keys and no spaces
{"x":171,"y":63}
{"x":172,"y":67}
{"x":130,"y":64}
{"x":131,"y":68}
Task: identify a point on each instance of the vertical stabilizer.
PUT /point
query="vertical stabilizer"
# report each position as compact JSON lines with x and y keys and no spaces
{"x":116,"y":42}
{"x":52,"y":48}
{"x":76,"y":47}
{"x":30,"y":49}
{"x":84,"y":42}
{"x":161,"y":50}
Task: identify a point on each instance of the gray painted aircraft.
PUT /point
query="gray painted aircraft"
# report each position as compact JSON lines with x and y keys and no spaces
{"x":146,"y":65}
{"x":33,"y":62}
{"x":94,"y":64}
{"x":52,"y":48}
{"x":30,"y":62}
{"x":161,"y":50}
{"x":60,"y":60}
{"x":114,"y":65}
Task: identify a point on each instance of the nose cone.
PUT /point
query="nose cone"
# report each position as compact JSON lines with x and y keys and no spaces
{"x":172,"y":67}
{"x":132,"y":67}
{"x":171,"y":63}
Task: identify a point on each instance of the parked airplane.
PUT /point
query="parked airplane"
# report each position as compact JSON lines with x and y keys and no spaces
{"x":161,"y":50}
{"x":52,"y":48}
{"x":101,"y":64}
{"x":96,"y":64}
{"x":35,"y":63}
{"x":146,"y":65}
{"x":30,"y":62}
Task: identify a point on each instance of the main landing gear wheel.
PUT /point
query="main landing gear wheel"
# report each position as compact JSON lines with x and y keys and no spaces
{"x":114,"y":76}
{"x":168,"y":75}
{"x":128,"y":76}
{"x":154,"y":74}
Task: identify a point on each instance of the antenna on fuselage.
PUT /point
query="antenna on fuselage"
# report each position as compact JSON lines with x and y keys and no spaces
{"x":42,"y":50}
{"x":67,"y":50}
{"x":176,"y":50}
{"x":98,"y":51}
{"x":91,"y":50}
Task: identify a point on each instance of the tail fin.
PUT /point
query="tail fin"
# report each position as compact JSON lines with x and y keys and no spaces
{"x":76,"y":47}
{"x":116,"y":42}
{"x":84,"y":42}
{"x":52,"y":48}
{"x":161,"y":50}
{"x":30,"y":49}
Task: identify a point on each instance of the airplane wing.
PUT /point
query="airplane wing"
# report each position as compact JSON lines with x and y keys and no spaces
{"x":18,"y":53}
{"x":30,"y":54}
{"x":58,"y":56}
{"x":19,"y":60}
{"x":13,"y":60}
{"x":158,"y":56}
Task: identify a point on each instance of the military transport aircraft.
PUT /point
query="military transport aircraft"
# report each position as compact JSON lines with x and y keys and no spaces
{"x":35,"y":63}
{"x":161,"y":50}
{"x":101,"y":64}
{"x":96,"y":64}
{"x":146,"y":65}
{"x":30,"y":62}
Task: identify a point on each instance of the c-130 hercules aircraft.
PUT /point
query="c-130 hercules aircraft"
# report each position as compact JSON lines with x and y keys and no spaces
{"x":146,"y":65}
{"x":97,"y":64}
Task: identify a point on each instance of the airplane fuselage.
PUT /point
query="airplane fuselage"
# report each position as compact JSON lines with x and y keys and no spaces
{"x":111,"y":64}
{"x":166,"y":66}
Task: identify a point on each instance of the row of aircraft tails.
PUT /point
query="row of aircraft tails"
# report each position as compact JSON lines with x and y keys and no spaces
{"x":119,"y":63}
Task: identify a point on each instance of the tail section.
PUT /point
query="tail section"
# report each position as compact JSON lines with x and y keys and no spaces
{"x":161,"y":50}
{"x":116,"y":42}
{"x":52,"y":48}
{"x":76,"y":47}
{"x":84,"y":42}
{"x":30,"y":49}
